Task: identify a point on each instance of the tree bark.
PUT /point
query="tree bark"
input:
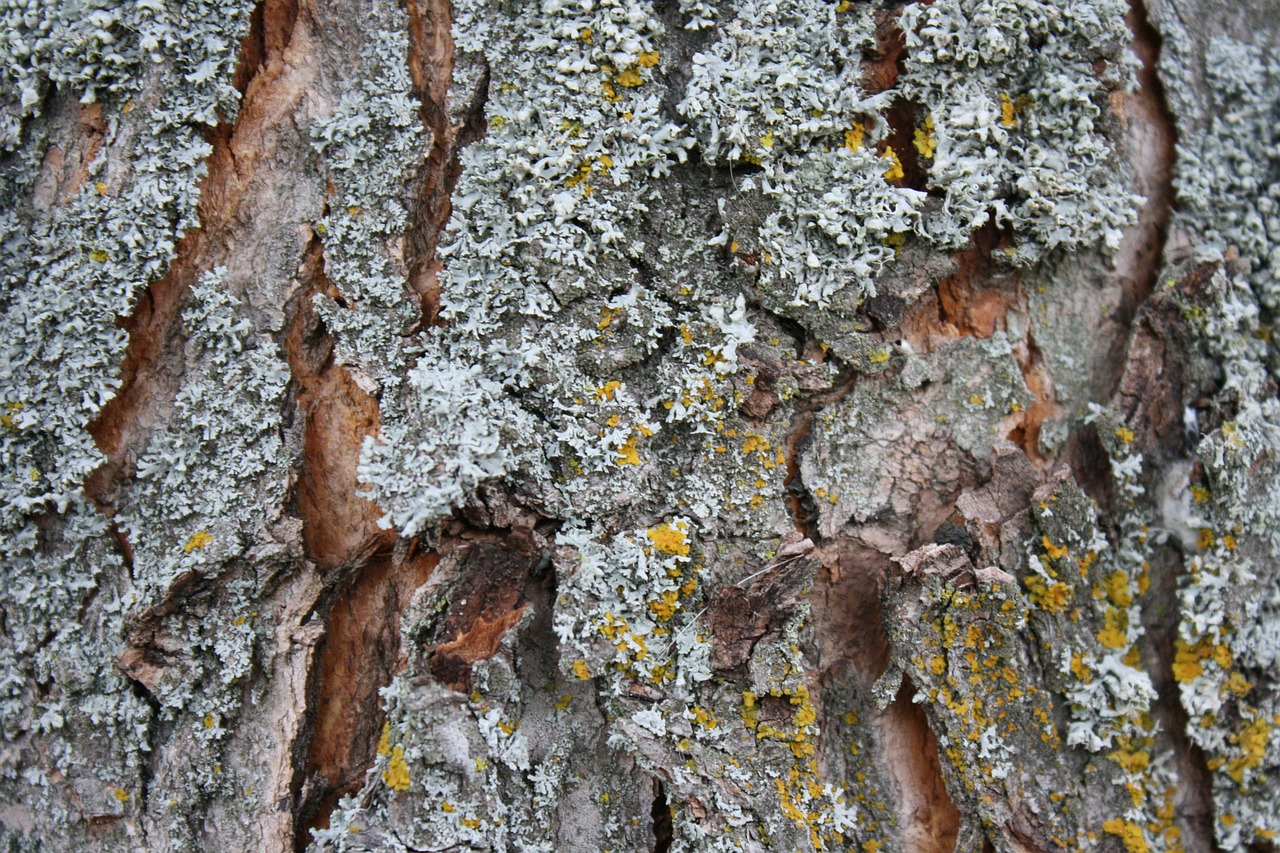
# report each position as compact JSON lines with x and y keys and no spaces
{"x":665,"y":425}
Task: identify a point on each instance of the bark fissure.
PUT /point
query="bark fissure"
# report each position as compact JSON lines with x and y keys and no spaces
{"x":431,"y":63}
{"x":151,"y":371}
{"x":1157,"y":160}
{"x":661,"y":816}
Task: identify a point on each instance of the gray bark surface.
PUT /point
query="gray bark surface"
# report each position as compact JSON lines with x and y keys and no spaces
{"x":676,"y":425}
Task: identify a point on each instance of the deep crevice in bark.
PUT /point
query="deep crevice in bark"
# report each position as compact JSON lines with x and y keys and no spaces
{"x":930,"y":820}
{"x":661,"y":815}
{"x":431,"y":62}
{"x":1152,"y":143}
{"x":368,"y":585}
{"x":1153,"y":102}
{"x":359,"y":655}
{"x":147,"y":373}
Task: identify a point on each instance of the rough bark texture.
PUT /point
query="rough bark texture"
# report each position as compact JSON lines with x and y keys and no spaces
{"x":672,"y":425}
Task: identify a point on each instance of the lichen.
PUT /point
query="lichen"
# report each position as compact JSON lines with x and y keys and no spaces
{"x":78,"y":253}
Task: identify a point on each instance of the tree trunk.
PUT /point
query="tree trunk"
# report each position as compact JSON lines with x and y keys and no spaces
{"x":658,"y":425}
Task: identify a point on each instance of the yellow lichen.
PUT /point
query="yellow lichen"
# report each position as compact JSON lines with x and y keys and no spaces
{"x":1117,"y":589}
{"x":1130,"y":834}
{"x":1008,"y":111}
{"x":894,"y":172}
{"x":1080,"y":669}
{"x":629,"y":79}
{"x":1055,"y":552}
{"x":1053,"y":596}
{"x":397,"y":773}
{"x":627,"y":452}
{"x":670,"y":538}
{"x":1252,"y":742}
{"x":924,"y":141}
{"x":853,"y":136}
{"x":665,"y":606}
{"x":580,"y":669}
{"x":198,"y":540}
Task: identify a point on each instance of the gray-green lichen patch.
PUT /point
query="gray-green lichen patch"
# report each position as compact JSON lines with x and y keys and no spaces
{"x":1229,"y":638}
{"x":537,"y":234}
{"x":1017,"y":130}
{"x":1224,"y":100}
{"x":366,"y":146}
{"x":79,"y":248}
{"x":619,"y":350}
{"x":106,"y":49}
{"x":225,"y":448}
{"x":557,"y":206}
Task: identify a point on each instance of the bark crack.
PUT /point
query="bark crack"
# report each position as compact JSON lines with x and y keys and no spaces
{"x":152,"y":368}
{"x":431,"y":64}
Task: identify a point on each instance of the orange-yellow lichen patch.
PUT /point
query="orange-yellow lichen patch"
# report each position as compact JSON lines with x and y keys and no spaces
{"x":627,"y":452}
{"x":670,"y":538}
{"x":1052,"y":596}
{"x":853,"y":136}
{"x":895,"y":171}
{"x":925,"y":144}
{"x":397,"y":773}
{"x":1130,"y":834}
{"x":1008,"y":112}
{"x":1252,"y":742}
{"x":1188,"y":660}
{"x":1055,"y":552}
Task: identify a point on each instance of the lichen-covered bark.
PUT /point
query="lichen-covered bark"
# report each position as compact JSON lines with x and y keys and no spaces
{"x":669,"y":425}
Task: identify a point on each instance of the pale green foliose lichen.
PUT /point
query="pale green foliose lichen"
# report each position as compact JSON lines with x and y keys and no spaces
{"x":78,"y":250}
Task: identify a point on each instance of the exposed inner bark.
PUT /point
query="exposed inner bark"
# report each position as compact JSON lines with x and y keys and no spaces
{"x":1152,"y":140}
{"x":152,"y":368}
{"x":360,"y":654}
{"x":930,"y":821}
{"x":431,"y":62}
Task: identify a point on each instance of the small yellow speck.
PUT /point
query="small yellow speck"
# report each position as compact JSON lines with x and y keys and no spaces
{"x":1007,"y":111}
{"x":198,"y":540}
{"x":894,"y":172}
{"x":924,"y":141}
{"x":853,"y":136}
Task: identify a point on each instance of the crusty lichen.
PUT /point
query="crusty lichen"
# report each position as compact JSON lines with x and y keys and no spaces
{"x":79,"y":251}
